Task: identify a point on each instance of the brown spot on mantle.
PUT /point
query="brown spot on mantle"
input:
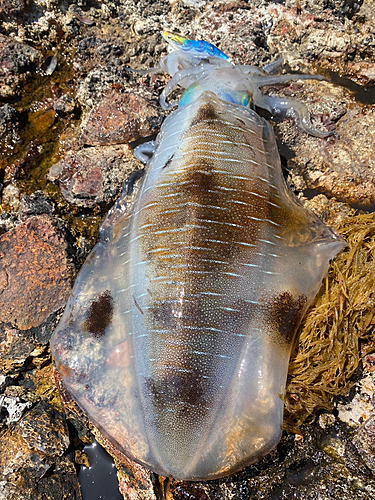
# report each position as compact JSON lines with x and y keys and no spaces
{"x":284,"y":313}
{"x":100,"y":314}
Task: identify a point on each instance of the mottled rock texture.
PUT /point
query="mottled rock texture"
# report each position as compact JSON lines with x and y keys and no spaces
{"x":120,"y":118}
{"x":17,"y":61}
{"x":93,"y":175}
{"x":35,"y":272}
{"x":33,"y":458}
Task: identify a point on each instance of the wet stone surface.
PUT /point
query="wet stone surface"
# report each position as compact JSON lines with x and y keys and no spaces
{"x":36,"y":273}
{"x":33,"y":457}
{"x":8,"y":130}
{"x":46,"y":123}
{"x":343,"y":166}
{"x":36,"y":204}
{"x":93,"y":175}
{"x":120,"y":118}
{"x":17,"y":61}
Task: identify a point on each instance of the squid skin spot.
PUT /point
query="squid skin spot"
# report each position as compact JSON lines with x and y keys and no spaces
{"x":168,"y":162}
{"x":206,"y":113}
{"x":285,"y":313}
{"x":171,"y":388}
{"x":100,"y":314}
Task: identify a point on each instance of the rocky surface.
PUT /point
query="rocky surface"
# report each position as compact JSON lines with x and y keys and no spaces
{"x":343,"y":166}
{"x":33,"y":457}
{"x":36,"y":272}
{"x":120,"y":118}
{"x":64,"y":158}
{"x":17,"y":62}
{"x":8,"y":131}
{"x":93,"y":175}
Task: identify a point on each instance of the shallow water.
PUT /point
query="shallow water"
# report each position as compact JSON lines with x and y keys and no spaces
{"x":99,"y":481}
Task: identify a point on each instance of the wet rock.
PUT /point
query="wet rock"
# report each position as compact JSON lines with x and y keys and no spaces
{"x":20,"y":166}
{"x":11,"y":197}
{"x":93,"y":175}
{"x":329,"y":210}
{"x":365,"y":442}
{"x":8,"y":115}
{"x":3,"y":381}
{"x":324,"y":38}
{"x":363,"y":71}
{"x":345,"y":8}
{"x":9,"y":134}
{"x":8,"y":220}
{"x":35,"y":432}
{"x":36,"y":204}
{"x":97,"y":84}
{"x":365,"y":17}
{"x":17,"y":62}
{"x":43,"y":120}
{"x":36,"y":272}
{"x":13,"y":402}
{"x":361,"y":406}
{"x":33,"y":457}
{"x":121,"y":118}
{"x":42,"y":116}
{"x":65,"y":105}
{"x":341,"y":167}
{"x":369,"y":364}
{"x":135,"y":481}
{"x":12,"y":7}
{"x":359,"y":413}
{"x":16,"y":348}
{"x":298,"y":468}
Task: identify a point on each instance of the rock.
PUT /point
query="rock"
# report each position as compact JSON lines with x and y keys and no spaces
{"x":8,"y":115}
{"x":36,"y":272}
{"x":17,"y":62}
{"x":12,"y":7}
{"x":33,"y":457}
{"x":26,"y":162}
{"x":365,"y":442}
{"x":93,"y":175}
{"x":363,"y":71}
{"x":360,"y":408}
{"x":42,"y":120}
{"x":363,"y":408}
{"x":36,"y":204}
{"x":342,"y":167}
{"x":120,"y":118}
{"x":64,"y":105}
{"x":4,"y":381}
{"x":329,"y":210}
{"x":8,"y":220}
{"x":97,"y":84}
{"x":136,"y":484}
{"x":341,"y":7}
{"x":11,"y":197}
{"x":14,"y":403}
{"x":9,"y":132}
{"x":16,"y":347}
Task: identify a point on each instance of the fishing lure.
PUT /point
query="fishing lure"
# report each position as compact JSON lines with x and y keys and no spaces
{"x":177,"y":336}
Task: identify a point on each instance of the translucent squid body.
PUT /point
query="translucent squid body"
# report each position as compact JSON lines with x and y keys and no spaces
{"x":177,"y":336}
